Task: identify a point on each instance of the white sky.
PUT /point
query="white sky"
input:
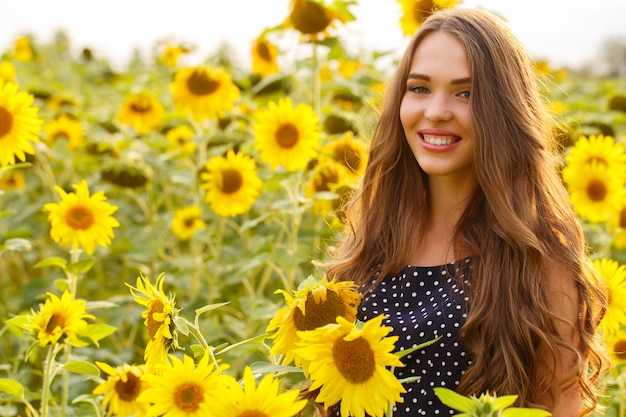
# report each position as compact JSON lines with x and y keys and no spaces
{"x":566,"y":32}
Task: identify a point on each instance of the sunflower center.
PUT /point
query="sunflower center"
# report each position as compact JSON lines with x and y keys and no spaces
{"x":350,"y":158}
{"x":422,"y":10}
{"x":156,"y":306}
{"x":252,"y":413}
{"x":321,"y":314}
{"x":60,"y":135}
{"x":231,"y":181}
{"x":596,"y":190}
{"x":309,"y":17}
{"x":141,"y":105}
{"x":55,"y":321}
{"x":128,"y":391}
{"x":344,"y":354}
{"x":189,"y":222}
{"x":188,"y":397}
{"x":6,"y":121}
{"x":264,"y":51}
{"x":200,"y":84}
{"x":287,"y":135}
{"x":622,"y":219}
{"x":79,"y":218}
{"x":619,"y":350}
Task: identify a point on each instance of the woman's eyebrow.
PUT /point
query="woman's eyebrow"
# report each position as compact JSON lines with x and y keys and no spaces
{"x":465,"y":80}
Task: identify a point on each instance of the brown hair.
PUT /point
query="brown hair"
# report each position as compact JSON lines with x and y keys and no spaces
{"x":518,"y":224}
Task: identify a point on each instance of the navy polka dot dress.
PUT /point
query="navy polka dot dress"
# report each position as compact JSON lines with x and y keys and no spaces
{"x":423,"y":303}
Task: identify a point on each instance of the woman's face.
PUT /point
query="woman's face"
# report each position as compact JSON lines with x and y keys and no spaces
{"x":435,"y":111}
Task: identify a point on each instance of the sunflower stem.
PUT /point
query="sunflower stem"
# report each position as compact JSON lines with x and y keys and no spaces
{"x":66,"y":380}
{"x":48,"y":376}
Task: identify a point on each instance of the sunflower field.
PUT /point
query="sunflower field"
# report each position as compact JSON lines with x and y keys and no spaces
{"x":161,"y":226}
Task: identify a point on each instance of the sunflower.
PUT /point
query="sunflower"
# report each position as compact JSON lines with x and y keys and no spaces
{"x":348,"y":364}
{"x":614,"y":275}
{"x":262,"y":400}
{"x":170,"y":54}
{"x":60,"y":319}
{"x":187,"y":222}
{"x":287,"y":135}
{"x":415,"y":12}
{"x":315,"y":19}
{"x":315,"y":304}
{"x":264,"y":57}
{"x":231,"y":183}
{"x":351,"y":153}
{"x":204,"y":93}
{"x":596,"y":192}
{"x":182,"y":389}
{"x":616,"y":347}
{"x":181,"y":138}
{"x":143,"y":111}
{"x":12,"y":180}
{"x":327,"y":177}
{"x":603,"y":149}
{"x":80,"y":220}
{"x":7,"y":71}
{"x":23,"y":49}
{"x":19,"y":124}
{"x":65,"y":128}
{"x":121,"y":390}
{"x":159,"y":318}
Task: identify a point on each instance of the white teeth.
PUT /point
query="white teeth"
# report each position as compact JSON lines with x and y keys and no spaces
{"x":433,"y":140}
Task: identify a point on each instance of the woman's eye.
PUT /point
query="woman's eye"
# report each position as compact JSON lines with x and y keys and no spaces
{"x":419,"y":89}
{"x":465,"y":94}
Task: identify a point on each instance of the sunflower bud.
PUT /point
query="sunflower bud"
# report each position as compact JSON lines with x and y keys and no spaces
{"x":126,"y":174}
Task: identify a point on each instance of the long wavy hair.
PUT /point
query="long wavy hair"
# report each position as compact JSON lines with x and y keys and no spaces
{"x":517,"y":226}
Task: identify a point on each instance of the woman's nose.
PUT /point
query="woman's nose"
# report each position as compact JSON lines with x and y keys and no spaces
{"x":438,"y":108}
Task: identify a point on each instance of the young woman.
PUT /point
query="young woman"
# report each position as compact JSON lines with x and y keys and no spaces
{"x":462,"y":228}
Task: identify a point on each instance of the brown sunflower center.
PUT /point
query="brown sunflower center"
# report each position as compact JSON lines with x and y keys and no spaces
{"x":622,"y":218}
{"x":200,"y":84}
{"x":129,"y":390}
{"x":326,"y":178}
{"x":189,"y":222}
{"x":318,"y":315}
{"x":188,"y":397}
{"x":596,"y":190}
{"x":350,"y":158}
{"x":6,"y":121}
{"x":55,"y":321}
{"x":287,"y":135}
{"x":354,"y":359}
{"x":61,"y":134}
{"x":263,"y":51}
{"x":422,"y":10}
{"x":141,"y":105}
{"x":252,"y":413}
{"x":155,"y":306}
{"x":79,"y":218}
{"x":231,"y":181}
{"x":309,"y":17}
{"x":619,"y":349}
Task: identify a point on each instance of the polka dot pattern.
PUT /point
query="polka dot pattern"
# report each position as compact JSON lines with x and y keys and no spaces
{"x":423,"y":303}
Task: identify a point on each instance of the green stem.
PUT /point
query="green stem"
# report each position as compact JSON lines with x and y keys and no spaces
{"x":65,"y":393}
{"x":48,"y":376}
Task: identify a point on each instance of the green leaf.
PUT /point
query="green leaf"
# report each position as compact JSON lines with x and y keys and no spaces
{"x":197,"y":350}
{"x":82,"y":266}
{"x":182,"y":325}
{"x":52,"y":261}
{"x":255,"y":339}
{"x":267,"y":368}
{"x":7,"y":213}
{"x":99,"y":331}
{"x":17,"y":245}
{"x":500,"y":403}
{"x":524,"y":412}
{"x":210,"y":307}
{"x":454,"y":400}
{"x":11,"y":387}
{"x":403,"y":353}
{"x":82,"y":368}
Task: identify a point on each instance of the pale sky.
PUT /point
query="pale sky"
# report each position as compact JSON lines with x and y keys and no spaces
{"x":566,"y":32}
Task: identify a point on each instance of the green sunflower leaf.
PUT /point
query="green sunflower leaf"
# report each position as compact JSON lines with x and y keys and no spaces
{"x":81,"y":367}
{"x":455,"y":400}
{"x":11,"y":387}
